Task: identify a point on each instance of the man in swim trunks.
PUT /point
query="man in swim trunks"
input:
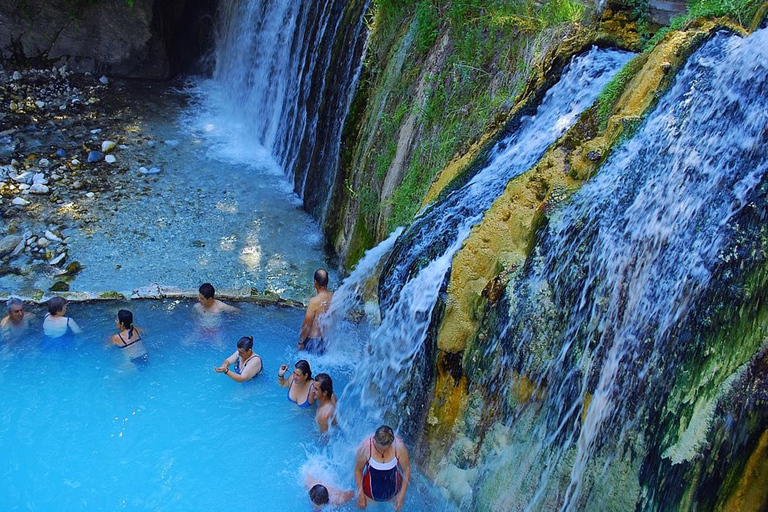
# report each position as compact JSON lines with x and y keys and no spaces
{"x":311,"y":336}
{"x":16,"y":322}
{"x":382,"y":469}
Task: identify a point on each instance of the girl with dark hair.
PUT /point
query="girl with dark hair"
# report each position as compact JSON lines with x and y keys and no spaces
{"x":247,"y":363}
{"x":128,"y":338}
{"x":299,"y":384}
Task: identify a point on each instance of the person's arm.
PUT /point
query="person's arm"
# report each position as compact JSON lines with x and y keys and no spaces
{"x":360,"y":461}
{"x":321,"y":418}
{"x":115,"y":339}
{"x":73,"y":325}
{"x":282,"y":380}
{"x":405,"y":465}
{"x":228,"y":308}
{"x":224,"y":366}
{"x":306,"y":326}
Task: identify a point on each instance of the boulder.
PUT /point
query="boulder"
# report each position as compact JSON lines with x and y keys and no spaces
{"x":8,"y":244}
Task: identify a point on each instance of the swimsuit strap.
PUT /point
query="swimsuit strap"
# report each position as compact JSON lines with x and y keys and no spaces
{"x":309,"y":391}
{"x":121,"y":339}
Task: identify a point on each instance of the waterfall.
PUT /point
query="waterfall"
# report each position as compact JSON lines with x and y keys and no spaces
{"x":393,"y":364}
{"x":288,"y":69}
{"x":613,"y":313}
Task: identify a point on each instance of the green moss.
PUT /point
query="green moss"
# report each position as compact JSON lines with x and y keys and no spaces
{"x":111,"y":295}
{"x":613,"y":90}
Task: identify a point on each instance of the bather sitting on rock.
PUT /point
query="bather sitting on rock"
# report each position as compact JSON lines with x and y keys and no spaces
{"x":325,"y":416}
{"x":128,"y":338}
{"x":247,"y":364}
{"x":311,"y":336}
{"x":16,"y":322}
{"x":56,"y":324}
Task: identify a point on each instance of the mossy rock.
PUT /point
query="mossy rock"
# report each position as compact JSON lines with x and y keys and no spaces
{"x":59,"y":286}
{"x":112,"y":295}
{"x":74,"y":268}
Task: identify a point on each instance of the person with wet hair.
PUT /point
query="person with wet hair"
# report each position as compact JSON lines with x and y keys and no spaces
{"x":56,"y":324}
{"x":311,"y":335}
{"x":16,"y":322}
{"x":325,"y":416}
{"x":323,"y":494}
{"x":382,"y":469}
{"x":208,"y":304}
{"x":299,"y":384}
{"x":128,"y":338}
{"x":247,"y":363}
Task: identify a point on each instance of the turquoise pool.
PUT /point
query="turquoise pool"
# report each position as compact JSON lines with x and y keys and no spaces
{"x":82,"y":429}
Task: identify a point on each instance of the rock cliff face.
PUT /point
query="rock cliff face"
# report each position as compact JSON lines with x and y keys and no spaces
{"x":145,"y":39}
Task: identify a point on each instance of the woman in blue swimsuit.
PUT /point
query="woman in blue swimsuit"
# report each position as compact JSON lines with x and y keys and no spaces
{"x":382,"y":469}
{"x":299,"y":384}
{"x":128,"y":338}
{"x":247,"y":363}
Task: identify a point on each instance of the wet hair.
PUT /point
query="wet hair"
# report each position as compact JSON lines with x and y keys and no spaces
{"x":207,"y":290}
{"x":321,"y":277}
{"x":14,"y":302}
{"x":384,"y":435}
{"x":125,"y":317}
{"x":319,"y":494}
{"x":324,"y":383}
{"x":303,"y":366}
{"x":56,"y":304}
{"x":245,"y":343}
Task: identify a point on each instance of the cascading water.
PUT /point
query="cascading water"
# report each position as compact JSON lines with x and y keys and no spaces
{"x":394,"y":362}
{"x":286,"y":70}
{"x":616,"y":324}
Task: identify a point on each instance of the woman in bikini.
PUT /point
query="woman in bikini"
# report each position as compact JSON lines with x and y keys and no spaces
{"x":299,"y":384}
{"x":382,"y":469}
{"x":128,"y":338}
{"x":247,"y":363}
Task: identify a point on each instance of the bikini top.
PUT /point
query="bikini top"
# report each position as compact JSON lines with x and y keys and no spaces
{"x":305,"y":403}
{"x":380,"y":466}
{"x":128,"y":344}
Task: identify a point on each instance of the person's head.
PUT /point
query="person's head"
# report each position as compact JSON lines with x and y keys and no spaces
{"x":324,"y":385}
{"x":384,"y":436}
{"x":125,"y":319}
{"x":321,"y":278}
{"x":206,"y":292}
{"x":302,"y":370}
{"x":57,"y":305}
{"x":15,"y":309}
{"x":245,"y":346}
{"x":319,"y":495}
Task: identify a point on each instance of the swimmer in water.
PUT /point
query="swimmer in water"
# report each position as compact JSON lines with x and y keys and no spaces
{"x":299,"y":384}
{"x":56,"y":324}
{"x":207,"y":304}
{"x":247,"y":362}
{"x":311,"y":336}
{"x":128,"y":338}
{"x":16,"y":322}
{"x":325,"y":416}
{"x":322,"y":494}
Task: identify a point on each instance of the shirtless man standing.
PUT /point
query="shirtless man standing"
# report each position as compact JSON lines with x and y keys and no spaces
{"x":311,"y":337}
{"x":325,"y":416}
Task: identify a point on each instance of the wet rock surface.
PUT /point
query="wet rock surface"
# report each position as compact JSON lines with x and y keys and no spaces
{"x":68,"y":150}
